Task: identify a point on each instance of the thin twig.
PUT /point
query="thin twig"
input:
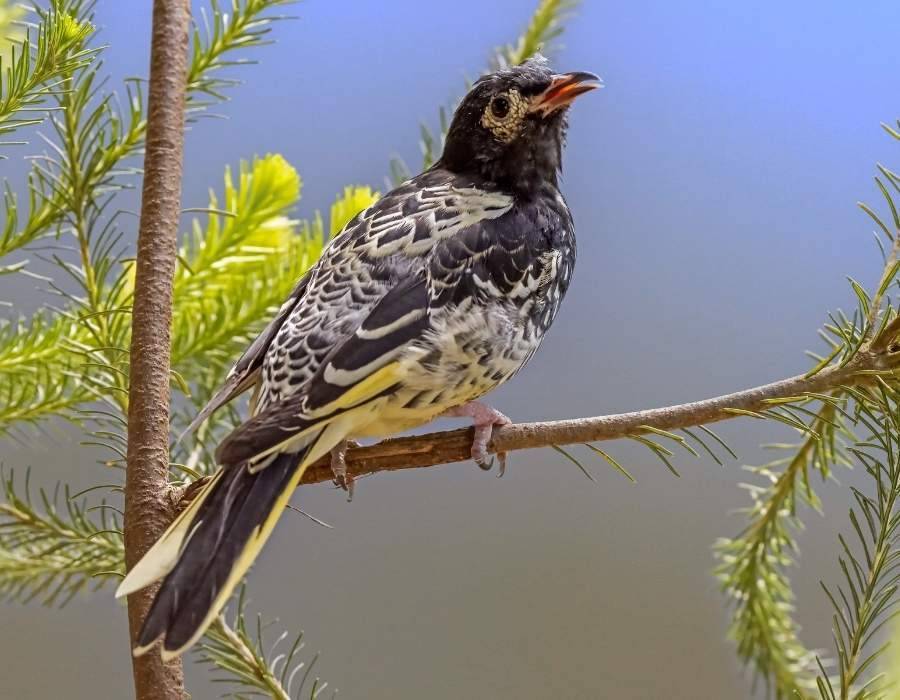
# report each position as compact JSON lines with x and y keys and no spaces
{"x":260,"y":670}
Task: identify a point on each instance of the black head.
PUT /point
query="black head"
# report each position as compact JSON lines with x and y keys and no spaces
{"x":511,"y":126}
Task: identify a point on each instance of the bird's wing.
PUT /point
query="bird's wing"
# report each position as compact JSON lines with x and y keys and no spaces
{"x":360,"y":302}
{"x":382,"y":244}
{"x":246,"y":371}
{"x":361,"y":367}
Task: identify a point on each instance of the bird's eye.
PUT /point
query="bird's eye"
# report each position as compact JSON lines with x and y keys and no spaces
{"x":500,"y":107}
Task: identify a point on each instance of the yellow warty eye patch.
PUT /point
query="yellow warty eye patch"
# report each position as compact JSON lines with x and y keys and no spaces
{"x":508,"y":127}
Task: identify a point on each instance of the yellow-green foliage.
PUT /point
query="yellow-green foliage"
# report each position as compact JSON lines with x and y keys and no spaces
{"x":10,"y":33}
{"x":547,"y":23}
{"x":240,"y":266}
{"x":353,"y":200}
{"x":253,"y":224}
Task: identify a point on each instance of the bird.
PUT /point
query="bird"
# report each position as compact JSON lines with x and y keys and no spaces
{"x":427,"y":300}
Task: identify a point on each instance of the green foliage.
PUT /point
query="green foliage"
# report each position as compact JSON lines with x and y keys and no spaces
{"x":249,"y":671}
{"x":866,"y":600}
{"x":10,"y":16}
{"x":661,"y":446}
{"x":53,"y":553}
{"x":38,"y":64}
{"x":247,"y":24}
{"x":753,"y":566}
{"x":69,"y":191}
{"x":547,"y":23}
{"x":69,"y":195}
{"x":35,"y":368}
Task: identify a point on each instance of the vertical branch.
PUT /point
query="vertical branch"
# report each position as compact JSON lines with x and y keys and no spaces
{"x":148,"y":505}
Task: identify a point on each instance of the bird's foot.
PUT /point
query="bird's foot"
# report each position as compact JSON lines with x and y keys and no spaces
{"x":484,"y":419}
{"x":339,"y":466}
{"x":184,"y":497}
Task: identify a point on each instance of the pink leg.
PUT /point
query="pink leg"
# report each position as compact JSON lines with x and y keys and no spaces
{"x":484,"y":418}
{"x":339,"y":467}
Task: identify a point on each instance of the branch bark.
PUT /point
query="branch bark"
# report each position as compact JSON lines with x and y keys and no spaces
{"x":453,"y":446}
{"x":149,"y":506}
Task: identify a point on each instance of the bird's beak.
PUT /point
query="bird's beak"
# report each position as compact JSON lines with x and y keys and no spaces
{"x":564,"y":88}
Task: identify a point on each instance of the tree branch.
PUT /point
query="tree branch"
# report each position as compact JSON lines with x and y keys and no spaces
{"x":453,"y":446}
{"x":148,"y":496}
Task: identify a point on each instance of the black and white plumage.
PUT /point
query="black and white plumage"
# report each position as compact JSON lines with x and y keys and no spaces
{"x":427,"y":300}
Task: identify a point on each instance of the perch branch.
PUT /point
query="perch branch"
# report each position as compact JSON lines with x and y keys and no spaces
{"x":453,"y":446}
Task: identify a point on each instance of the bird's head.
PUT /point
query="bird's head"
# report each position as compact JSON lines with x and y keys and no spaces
{"x":511,"y":126}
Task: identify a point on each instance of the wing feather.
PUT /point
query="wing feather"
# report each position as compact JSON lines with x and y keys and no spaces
{"x":365,"y":301}
{"x":246,"y":371}
{"x":359,"y":369}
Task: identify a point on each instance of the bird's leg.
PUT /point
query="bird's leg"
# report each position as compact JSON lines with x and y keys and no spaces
{"x":484,"y":419}
{"x":339,"y":466}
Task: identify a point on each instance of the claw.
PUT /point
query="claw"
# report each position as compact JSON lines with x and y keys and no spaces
{"x":501,"y":457}
{"x":484,"y":464}
{"x":339,"y":467}
{"x":484,"y":418}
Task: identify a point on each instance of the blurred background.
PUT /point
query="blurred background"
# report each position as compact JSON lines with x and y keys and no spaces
{"x":714,"y":185}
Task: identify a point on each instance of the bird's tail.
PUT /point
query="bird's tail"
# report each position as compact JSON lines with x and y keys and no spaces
{"x":209,"y":547}
{"x":207,"y":551}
